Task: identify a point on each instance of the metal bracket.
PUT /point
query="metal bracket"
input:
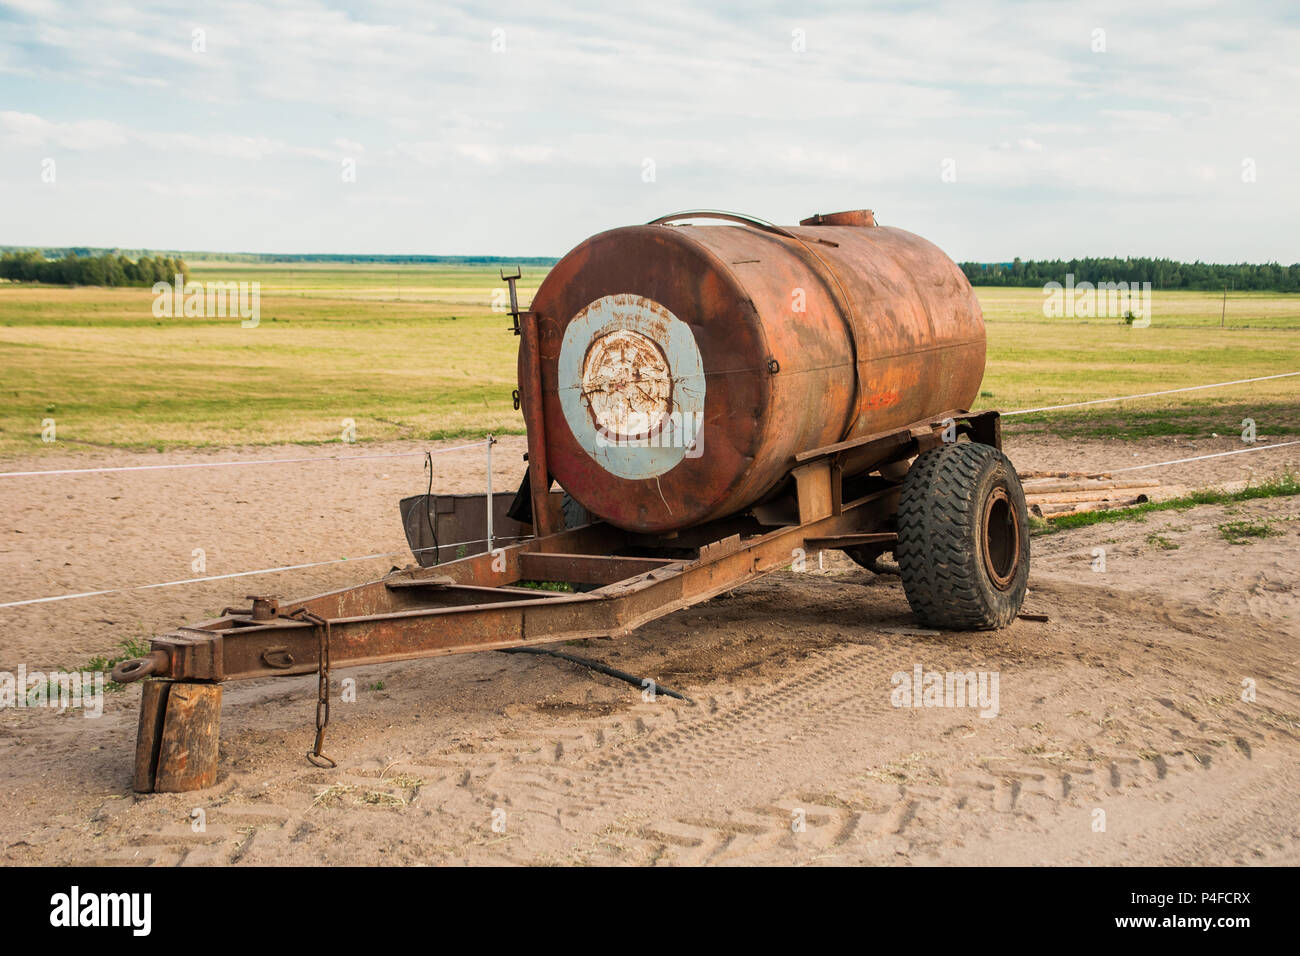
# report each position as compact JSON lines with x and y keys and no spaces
{"x":514,"y":299}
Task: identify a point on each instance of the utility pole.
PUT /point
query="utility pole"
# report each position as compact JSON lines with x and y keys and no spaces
{"x":1224,"y":314}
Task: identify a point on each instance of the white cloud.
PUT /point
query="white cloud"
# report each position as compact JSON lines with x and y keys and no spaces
{"x":557,"y":126}
{"x":27,"y":129}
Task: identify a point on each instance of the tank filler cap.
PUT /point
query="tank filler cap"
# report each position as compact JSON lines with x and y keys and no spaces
{"x":851,"y":217}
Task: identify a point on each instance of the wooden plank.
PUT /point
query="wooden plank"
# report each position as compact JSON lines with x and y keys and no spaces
{"x":153,"y":704}
{"x":187,"y":745}
{"x":1065,"y":487}
{"x":435,"y":581}
{"x":1049,"y":509}
{"x":1097,"y":495}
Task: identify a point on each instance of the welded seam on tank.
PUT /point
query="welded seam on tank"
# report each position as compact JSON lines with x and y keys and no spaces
{"x":846,"y":312}
{"x":724,"y":269}
{"x":929,"y":348}
{"x":929,"y":316}
{"x":849,"y":316}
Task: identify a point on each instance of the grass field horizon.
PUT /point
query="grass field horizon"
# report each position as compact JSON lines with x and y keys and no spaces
{"x":417,"y":352}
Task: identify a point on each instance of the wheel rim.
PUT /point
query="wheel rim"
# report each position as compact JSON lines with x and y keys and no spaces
{"x":1000,"y":528}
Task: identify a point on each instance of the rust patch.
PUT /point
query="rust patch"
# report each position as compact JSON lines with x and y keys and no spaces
{"x":626,"y":383}
{"x":882,"y":399}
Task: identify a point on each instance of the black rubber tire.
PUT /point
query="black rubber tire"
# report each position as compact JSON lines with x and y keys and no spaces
{"x":956,"y":574}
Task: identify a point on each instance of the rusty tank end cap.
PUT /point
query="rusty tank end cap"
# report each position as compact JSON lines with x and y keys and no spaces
{"x":850,"y":217}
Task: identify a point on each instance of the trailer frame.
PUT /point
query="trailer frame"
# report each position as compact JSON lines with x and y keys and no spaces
{"x":477,"y":603}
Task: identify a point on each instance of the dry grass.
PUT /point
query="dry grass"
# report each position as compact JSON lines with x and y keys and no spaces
{"x":417,"y":352}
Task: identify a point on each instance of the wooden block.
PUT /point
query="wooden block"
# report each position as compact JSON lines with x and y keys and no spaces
{"x":153,"y":701}
{"x":177,"y":742}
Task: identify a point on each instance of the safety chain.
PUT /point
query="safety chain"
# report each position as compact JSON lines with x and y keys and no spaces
{"x":322,"y":687}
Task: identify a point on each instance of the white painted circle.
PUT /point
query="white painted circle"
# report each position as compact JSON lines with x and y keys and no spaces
{"x":631,"y":384}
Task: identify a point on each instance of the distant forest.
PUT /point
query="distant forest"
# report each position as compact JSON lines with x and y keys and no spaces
{"x":72,"y":269}
{"x":90,"y":266}
{"x":114,"y":267}
{"x":1161,"y":273}
{"x":263,"y":258}
{"x":342,"y":259}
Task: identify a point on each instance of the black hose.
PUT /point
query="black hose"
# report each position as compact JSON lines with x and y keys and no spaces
{"x":428,"y":504}
{"x":598,"y":666}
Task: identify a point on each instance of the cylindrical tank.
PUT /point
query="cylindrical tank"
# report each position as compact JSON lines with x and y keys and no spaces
{"x":684,"y":366}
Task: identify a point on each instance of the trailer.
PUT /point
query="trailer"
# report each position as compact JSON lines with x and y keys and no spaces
{"x":935,"y":490}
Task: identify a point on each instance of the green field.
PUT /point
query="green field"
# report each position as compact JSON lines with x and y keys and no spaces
{"x":417,"y":352}
{"x":1035,"y":361}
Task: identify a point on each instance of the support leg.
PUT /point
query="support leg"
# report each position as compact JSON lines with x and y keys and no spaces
{"x":176,"y":744}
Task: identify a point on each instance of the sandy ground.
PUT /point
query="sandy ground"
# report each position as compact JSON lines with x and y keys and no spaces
{"x":1128,"y":701}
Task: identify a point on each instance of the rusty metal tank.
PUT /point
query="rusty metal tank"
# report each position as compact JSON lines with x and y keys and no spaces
{"x":684,"y":365}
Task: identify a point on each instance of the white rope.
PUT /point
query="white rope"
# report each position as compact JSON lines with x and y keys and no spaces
{"x":228,"y":464}
{"x":1180,"y":461}
{"x":236,"y":574}
{"x":1168,"y":391}
{"x":367,"y":557}
{"x":439,"y":451}
{"x":454,"y":544}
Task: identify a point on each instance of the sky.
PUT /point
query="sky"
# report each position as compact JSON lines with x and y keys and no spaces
{"x":996,"y":130}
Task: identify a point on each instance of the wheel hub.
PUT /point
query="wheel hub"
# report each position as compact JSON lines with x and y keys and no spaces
{"x":1000,"y":530}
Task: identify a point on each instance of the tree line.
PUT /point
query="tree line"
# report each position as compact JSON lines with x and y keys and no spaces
{"x":72,"y":269}
{"x":114,"y":269}
{"x":262,"y":258}
{"x":1161,"y":273}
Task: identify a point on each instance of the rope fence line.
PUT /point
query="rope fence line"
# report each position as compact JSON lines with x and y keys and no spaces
{"x":477,"y":444}
{"x":233,"y":464}
{"x":1180,"y":461}
{"x":488,"y":442}
{"x":1167,"y":391}
{"x":239,"y":574}
{"x":389,"y":554}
